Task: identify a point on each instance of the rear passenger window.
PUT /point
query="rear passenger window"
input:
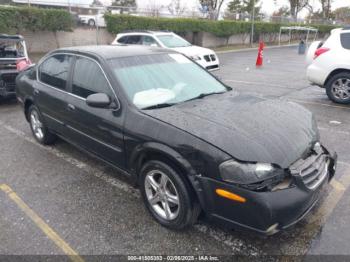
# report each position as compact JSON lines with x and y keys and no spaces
{"x":345,"y":40}
{"x":134,"y":40}
{"x":54,"y":71}
{"x":88,"y":79}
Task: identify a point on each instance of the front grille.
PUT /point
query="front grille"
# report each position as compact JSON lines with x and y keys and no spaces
{"x":9,"y":78}
{"x":8,"y":81}
{"x":312,"y":170}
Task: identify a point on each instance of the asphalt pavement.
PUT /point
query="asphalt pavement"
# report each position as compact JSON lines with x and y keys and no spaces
{"x":59,"y":200}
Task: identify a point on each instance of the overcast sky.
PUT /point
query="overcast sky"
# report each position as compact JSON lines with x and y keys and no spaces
{"x":268,"y":6}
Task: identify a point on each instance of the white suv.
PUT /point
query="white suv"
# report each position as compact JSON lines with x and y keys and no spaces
{"x":203,"y":56}
{"x":330,"y":67}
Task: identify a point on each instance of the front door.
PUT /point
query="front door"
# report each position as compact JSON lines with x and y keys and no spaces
{"x":99,"y":130}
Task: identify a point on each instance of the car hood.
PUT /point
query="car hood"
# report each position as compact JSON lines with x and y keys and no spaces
{"x":246,"y":127}
{"x":193,"y":50}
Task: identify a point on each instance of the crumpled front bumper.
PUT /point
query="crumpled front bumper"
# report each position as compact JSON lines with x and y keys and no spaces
{"x":263,"y":212}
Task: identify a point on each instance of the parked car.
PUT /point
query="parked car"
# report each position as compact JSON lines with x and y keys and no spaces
{"x":13,"y":54}
{"x":93,"y":20}
{"x":203,"y":56}
{"x":190,"y":142}
{"x":330,"y":66}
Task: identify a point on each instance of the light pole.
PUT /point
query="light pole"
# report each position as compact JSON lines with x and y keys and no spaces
{"x":252,"y":29}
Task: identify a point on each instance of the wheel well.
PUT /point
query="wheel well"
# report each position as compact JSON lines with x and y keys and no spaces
{"x":337,"y":71}
{"x":27,"y":104}
{"x":148,"y":156}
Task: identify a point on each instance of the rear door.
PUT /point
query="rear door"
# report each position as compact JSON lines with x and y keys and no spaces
{"x":99,"y":130}
{"x":50,"y":91}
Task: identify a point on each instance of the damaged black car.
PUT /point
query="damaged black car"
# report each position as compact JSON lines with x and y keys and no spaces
{"x":192,"y":144}
{"x":13,"y":57}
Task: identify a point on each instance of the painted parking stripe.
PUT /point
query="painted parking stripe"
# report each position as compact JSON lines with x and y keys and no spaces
{"x":317,"y":103}
{"x":40,"y":223}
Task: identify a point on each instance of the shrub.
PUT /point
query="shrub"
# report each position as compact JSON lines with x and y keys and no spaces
{"x":225,"y":28}
{"x":16,"y":19}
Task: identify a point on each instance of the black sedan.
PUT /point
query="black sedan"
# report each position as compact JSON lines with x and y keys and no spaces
{"x":191,"y":143}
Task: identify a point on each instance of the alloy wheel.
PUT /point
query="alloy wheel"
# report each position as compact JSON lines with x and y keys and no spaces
{"x":36,"y":124}
{"x":341,"y":88}
{"x":162,"y":195}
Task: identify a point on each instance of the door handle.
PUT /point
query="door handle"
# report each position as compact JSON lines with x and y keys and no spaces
{"x":36,"y":92}
{"x":71,"y":107}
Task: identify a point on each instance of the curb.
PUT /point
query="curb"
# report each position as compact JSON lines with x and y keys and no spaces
{"x":254,"y":48}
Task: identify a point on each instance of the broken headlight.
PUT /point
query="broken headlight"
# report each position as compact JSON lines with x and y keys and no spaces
{"x":248,"y":173}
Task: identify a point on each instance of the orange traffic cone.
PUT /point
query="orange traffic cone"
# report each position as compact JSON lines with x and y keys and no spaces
{"x":259,"y":60}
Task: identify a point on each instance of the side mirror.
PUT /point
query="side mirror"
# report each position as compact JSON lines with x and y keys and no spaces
{"x":99,"y":100}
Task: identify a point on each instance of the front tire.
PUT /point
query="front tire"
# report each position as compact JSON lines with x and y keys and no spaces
{"x":338,"y":88}
{"x":40,"y":132}
{"x":167,"y":196}
{"x":91,"y":22}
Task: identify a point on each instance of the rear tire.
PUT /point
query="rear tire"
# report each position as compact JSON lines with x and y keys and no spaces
{"x":171,"y":203}
{"x":40,"y":132}
{"x":338,"y":88}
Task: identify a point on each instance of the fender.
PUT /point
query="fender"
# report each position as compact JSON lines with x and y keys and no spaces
{"x":26,"y":100}
{"x":140,"y":151}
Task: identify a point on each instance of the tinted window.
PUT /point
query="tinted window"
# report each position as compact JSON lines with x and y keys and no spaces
{"x":123,"y":40}
{"x":148,"y":40}
{"x":134,"y":40}
{"x":88,"y":79}
{"x":345,"y":40}
{"x":54,"y":71}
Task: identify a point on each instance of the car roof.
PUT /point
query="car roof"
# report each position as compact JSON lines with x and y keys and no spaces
{"x":116,"y":51}
{"x":146,"y":31}
{"x":11,"y":37}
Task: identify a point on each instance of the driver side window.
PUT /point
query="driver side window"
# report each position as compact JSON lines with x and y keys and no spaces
{"x":149,"y":40}
{"x":89,"y":79}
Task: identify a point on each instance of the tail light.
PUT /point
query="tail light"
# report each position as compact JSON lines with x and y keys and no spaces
{"x":320,"y":51}
{"x":22,"y":64}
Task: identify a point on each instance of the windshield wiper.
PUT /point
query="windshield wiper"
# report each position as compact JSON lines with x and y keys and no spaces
{"x":161,"y":105}
{"x":202,"y":95}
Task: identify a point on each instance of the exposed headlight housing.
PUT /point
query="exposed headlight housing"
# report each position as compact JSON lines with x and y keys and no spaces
{"x":247,"y":173}
{"x":195,"y":57}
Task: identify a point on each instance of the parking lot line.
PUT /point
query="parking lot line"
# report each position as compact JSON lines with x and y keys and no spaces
{"x":253,"y":83}
{"x":40,"y":223}
{"x":337,"y":185}
{"x":316,"y":103}
{"x":333,"y":198}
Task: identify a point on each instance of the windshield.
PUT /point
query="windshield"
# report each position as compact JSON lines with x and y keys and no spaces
{"x":152,"y":80}
{"x":11,"y":49}
{"x":172,"y":41}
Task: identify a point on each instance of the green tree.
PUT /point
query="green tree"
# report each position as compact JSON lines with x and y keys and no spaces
{"x":342,"y":14}
{"x":296,"y":6}
{"x":326,"y":6}
{"x":125,"y":5}
{"x":244,"y":7}
{"x":213,"y":7}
